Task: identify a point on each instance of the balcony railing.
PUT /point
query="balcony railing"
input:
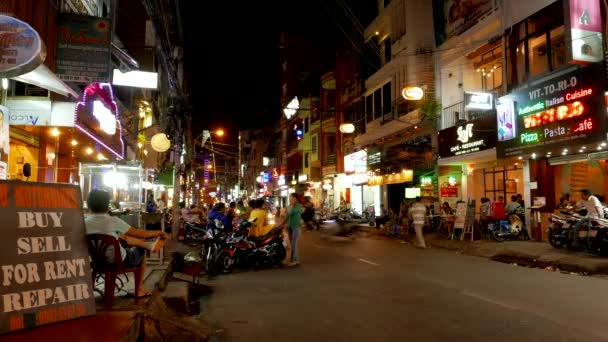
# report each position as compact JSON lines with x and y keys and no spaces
{"x":330,"y":160}
{"x":450,"y":115}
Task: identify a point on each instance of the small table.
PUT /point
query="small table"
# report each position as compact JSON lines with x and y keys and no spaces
{"x":155,"y":218}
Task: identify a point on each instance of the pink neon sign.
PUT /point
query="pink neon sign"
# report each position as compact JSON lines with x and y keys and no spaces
{"x":94,"y":122}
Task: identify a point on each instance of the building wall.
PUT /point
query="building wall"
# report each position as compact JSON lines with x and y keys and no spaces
{"x":42,"y":16}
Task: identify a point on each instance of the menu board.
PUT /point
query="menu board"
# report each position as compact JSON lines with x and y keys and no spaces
{"x":45,"y":275}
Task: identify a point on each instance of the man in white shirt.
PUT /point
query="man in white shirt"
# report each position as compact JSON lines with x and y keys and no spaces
{"x":100,"y":222}
{"x":594,"y":210}
{"x":418,"y":213}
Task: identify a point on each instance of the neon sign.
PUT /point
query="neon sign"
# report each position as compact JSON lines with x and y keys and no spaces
{"x":529,"y":137}
{"x":452,"y":181}
{"x":104,"y":110}
{"x":585,"y":125}
{"x":531,"y":108}
{"x":564,"y":112}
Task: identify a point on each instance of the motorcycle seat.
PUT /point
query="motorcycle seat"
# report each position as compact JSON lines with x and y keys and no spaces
{"x":273,"y":232}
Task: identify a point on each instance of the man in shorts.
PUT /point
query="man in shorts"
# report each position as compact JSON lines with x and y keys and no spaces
{"x":132,"y":241}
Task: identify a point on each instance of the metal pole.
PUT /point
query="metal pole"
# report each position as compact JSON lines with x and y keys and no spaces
{"x":56,"y":157}
{"x":238,"y":181}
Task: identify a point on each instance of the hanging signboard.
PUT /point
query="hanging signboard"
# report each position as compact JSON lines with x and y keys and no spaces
{"x":554,"y":117}
{"x":45,"y":273}
{"x":21,"y":48}
{"x":83,"y":48}
{"x":584,"y":20}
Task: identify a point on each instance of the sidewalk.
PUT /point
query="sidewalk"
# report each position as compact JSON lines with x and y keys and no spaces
{"x":525,"y":253}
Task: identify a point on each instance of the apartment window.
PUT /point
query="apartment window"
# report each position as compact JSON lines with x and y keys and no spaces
{"x":536,"y":45}
{"x":387,"y":50}
{"x":369,"y":108}
{"x":377,"y":103}
{"x":386,"y":98}
{"x":306,"y":121}
{"x":313,"y":144}
{"x":489,"y":68}
{"x":306,"y":157}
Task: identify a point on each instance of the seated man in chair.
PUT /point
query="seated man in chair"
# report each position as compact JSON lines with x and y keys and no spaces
{"x":133,"y":246}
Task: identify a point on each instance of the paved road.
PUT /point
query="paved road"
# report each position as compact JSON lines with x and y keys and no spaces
{"x":378,"y":290}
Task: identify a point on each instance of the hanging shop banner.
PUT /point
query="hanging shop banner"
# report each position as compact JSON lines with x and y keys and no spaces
{"x":584,"y":20}
{"x":83,"y":48}
{"x":21,"y":49}
{"x":45,"y":273}
{"x":554,"y":117}
{"x":472,"y":136}
{"x":453,"y":17}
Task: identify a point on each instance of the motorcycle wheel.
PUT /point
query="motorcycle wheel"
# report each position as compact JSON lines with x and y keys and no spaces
{"x":554,"y":240}
{"x":599,"y":245}
{"x":224,"y":262}
{"x":496,"y":236}
{"x":189,"y":238}
{"x":573,"y":243}
{"x":281,"y":253}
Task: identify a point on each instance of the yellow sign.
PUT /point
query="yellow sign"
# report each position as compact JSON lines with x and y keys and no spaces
{"x":395,"y":178}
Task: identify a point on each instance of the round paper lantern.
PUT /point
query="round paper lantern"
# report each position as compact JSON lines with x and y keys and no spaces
{"x":412,"y":93}
{"x":160,"y":143}
{"x":347,"y":128}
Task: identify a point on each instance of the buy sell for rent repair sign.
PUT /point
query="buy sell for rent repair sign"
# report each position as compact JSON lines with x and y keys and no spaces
{"x":45,"y":275}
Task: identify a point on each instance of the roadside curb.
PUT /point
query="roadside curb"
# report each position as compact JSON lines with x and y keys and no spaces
{"x":590,"y":265}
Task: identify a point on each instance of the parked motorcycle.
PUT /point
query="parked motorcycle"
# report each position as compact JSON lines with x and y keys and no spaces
{"x":243,"y":251}
{"x":560,"y":229}
{"x":510,"y":229}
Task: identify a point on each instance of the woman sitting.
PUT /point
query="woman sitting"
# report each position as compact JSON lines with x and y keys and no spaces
{"x":258,"y":218}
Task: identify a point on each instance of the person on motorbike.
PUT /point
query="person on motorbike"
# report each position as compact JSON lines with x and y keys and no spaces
{"x":594,"y":210}
{"x":258,"y":217}
{"x":218,"y":212}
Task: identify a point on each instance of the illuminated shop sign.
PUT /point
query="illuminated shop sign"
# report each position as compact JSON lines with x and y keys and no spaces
{"x":583,"y":22}
{"x":478,"y":100}
{"x":473,"y":136}
{"x":554,"y":115}
{"x":356,"y":162}
{"x":97,"y":117}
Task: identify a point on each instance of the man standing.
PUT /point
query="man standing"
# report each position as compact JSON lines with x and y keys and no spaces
{"x":293,"y":219}
{"x":418,"y":213}
{"x":594,"y":210}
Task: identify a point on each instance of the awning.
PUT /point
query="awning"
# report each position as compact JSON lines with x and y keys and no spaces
{"x":43,"y":77}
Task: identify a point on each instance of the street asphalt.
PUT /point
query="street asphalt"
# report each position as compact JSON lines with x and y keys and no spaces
{"x":381,"y":290}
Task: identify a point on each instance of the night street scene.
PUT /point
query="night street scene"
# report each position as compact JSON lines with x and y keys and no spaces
{"x":303,"y":170}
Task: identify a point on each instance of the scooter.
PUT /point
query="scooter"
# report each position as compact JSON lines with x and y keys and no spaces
{"x":511,"y":229}
{"x":560,"y":229}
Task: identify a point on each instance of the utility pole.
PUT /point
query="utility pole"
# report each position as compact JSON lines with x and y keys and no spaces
{"x":240,"y":173}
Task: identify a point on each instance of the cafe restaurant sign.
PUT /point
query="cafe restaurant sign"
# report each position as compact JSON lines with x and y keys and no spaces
{"x":554,"y":117}
{"x":472,"y":136}
{"x":45,"y":275}
{"x":21,"y":48}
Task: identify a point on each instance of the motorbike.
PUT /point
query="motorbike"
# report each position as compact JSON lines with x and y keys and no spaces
{"x":510,"y":229}
{"x":243,"y":251}
{"x":560,"y":229}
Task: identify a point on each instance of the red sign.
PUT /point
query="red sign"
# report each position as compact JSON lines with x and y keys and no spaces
{"x":450,"y":191}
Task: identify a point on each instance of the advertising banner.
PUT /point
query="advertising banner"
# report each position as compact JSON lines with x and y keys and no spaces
{"x":554,"y":117}
{"x":21,"y":49}
{"x":45,"y":273}
{"x":453,"y":17}
{"x":83,"y":48}
{"x":473,"y":136}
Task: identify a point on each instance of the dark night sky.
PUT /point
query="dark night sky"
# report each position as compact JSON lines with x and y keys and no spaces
{"x":233,"y":77}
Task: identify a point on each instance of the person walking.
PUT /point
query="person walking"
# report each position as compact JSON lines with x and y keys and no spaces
{"x":418,"y":213}
{"x":293,"y":219}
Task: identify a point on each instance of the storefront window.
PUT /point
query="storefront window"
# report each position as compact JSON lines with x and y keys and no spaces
{"x":537,"y":55}
{"x":558,"y":47}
